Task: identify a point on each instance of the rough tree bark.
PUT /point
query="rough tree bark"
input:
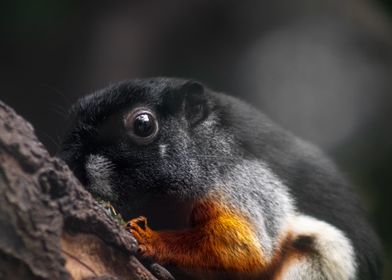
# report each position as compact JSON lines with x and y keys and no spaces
{"x":50,"y":227}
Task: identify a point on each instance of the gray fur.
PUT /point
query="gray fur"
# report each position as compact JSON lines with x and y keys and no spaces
{"x":99,"y":170}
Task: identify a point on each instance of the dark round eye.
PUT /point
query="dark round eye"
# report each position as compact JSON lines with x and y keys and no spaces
{"x":141,"y":125}
{"x":144,"y":125}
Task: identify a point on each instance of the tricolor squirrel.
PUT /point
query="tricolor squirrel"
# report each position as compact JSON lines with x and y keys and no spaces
{"x":232,"y":193}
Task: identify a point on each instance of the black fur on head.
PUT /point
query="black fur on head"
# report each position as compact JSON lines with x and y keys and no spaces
{"x":193,"y":141}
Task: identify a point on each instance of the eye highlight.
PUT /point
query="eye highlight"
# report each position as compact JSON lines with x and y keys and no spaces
{"x":141,"y":125}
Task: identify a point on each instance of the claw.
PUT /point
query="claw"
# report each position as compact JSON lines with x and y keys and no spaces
{"x":135,"y":223}
{"x":140,"y":230}
{"x":143,"y":234}
{"x":137,"y":236}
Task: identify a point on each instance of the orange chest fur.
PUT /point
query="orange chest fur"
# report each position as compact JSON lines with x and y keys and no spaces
{"x":229,"y":235}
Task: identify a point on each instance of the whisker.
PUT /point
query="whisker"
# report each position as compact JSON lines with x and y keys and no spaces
{"x":47,"y":136}
{"x":58,"y":92}
{"x":59,"y":111}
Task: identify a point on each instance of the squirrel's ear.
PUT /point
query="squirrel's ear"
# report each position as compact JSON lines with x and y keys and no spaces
{"x":195,"y":102}
{"x":188,"y":99}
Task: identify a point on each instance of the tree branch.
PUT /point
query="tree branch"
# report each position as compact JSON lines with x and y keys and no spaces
{"x":50,"y":227}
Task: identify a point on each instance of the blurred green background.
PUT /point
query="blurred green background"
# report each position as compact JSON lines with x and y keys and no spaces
{"x":320,"y":68}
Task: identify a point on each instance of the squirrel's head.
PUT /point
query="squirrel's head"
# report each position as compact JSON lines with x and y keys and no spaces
{"x":142,"y":138}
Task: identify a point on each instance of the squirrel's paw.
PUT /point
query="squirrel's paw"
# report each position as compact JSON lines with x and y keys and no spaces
{"x":143,"y":234}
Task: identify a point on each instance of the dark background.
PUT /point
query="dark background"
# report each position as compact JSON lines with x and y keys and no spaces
{"x":320,"y":68}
